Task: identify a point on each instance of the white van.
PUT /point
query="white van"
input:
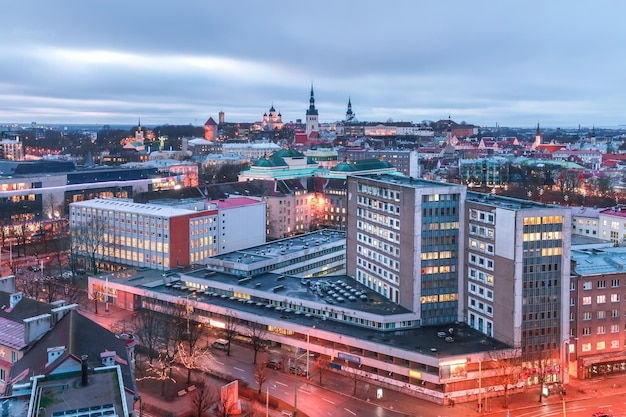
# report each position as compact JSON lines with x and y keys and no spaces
{"x":221,"y":344}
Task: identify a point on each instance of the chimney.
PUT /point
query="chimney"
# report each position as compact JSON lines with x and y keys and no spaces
{"x":54,"y":353}
{"x":15,"y":298}
{"x":84,"y":380}
{"x":108,"y":358}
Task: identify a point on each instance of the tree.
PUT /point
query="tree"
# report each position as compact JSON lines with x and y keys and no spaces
{"x":203,"y":399}
{"x":355,"y":375}
{"x":187,"y":335}
{"x":231,"y":328}
{"x":147,"y":327}
{"x":260,"y":375}
{"x":89,"y":239}
{"x":258,"y":336}
{"x":322,"y":366}
{"x":507,"y":365}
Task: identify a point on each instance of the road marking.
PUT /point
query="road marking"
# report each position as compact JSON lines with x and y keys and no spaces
{"x":280,"y":383}
{"x":239,"y":369}
{"x":328,"y":401}
{"x":350,"y":411}
{"x":219,"y":363}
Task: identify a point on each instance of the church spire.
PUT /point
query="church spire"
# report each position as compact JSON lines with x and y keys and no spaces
{"x":312,"y":111}
{"x":349,"y":113}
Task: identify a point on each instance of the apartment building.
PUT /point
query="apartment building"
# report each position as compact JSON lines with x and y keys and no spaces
{"x":163,"y":236}
{"x":612,"y":224}
{"x":597,"y":339}
{"x":585,"y":221}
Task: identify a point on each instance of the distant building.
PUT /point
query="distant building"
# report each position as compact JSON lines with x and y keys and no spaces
{"x":405,"y":161}
{"x":312,"y":122}
{"x":210,"y":130}
{"x":272,"y":120}
{"x":12,"y":150}
{"x":585,"y":221}
{"x":612,"y":225}
{"x":163,"y":236}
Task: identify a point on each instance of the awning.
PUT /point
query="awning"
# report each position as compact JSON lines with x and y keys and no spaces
{"x":605,"y":358}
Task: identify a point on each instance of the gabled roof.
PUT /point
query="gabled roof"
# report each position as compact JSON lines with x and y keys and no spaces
{"x":24,"y":309}
{"x":210,"y":122}
{"x":80,"y":336}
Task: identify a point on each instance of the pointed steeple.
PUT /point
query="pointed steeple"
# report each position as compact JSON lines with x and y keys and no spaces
{"x":312,"y":111}
{"x":349,"y":113}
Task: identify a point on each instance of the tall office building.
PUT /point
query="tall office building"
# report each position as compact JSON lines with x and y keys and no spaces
{"x":516,"y":275}
{"x":403,"y":242}
{"x":501,"y":265}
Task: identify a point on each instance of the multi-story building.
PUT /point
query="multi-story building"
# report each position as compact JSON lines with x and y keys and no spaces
{"x":404,"y":242}
{"x":612,"y":224}
{"x":489,"y":172}
{"x":12,"y":150}
{"x":515,"y":273}
{"x":163,"y":236}
{"x":405,"y":161}
{"x":597,"y":339}
{"x":585,"y":221}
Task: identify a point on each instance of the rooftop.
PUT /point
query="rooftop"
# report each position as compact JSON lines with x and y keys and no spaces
{"x":128,"y":206}
{"x":598,"y":261}
{"x":507,"y":202}
{"x":408,"y":181}
{"x":270,"y":292}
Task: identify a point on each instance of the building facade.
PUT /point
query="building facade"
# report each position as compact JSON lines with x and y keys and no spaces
{"x":159,"y":236}
{"x":404,"y":242}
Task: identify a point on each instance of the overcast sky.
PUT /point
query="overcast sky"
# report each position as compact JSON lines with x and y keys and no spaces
{"x":560,"y":63}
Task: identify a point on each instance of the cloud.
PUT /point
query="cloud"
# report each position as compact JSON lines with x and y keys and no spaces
{"x":554,"y":62}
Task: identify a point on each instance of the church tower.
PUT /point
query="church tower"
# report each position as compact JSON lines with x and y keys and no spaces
{"x":349,"y":113}
{"x":537,"y":138}
{"x":312,"y":123}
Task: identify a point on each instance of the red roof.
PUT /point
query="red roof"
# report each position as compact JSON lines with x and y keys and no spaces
{"x":614,"y":212}
{"x":210,"y":122}
{"x":234,"y":202}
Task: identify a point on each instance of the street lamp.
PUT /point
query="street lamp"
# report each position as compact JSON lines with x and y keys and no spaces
{"x":267,"y":398}
{"x":308,"y":354}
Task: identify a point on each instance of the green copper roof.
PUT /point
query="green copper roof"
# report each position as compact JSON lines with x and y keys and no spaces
{"x":288,"y":153}
{"x":362,"y":165}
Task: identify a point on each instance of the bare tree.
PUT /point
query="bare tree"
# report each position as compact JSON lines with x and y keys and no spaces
{"x":90,"y":239}
{"x":231,"y":329}
{"x":147,"y":327}
{"x":260,"y":375}
{"x":187,"y":334}
{"x":258,"y":336}
{"x":356,"y":376}
{"x":507,"y":365}
{"x":159,"y":370}
{"x":322,"y":366}
{"x":204,"y":399}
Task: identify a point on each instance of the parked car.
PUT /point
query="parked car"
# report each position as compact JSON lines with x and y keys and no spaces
{"x":601,"y":414}
{"x":20,"y":271}
{"x":34,"y":267}
{"x":297,"y":370}
{"x":274,"y":364}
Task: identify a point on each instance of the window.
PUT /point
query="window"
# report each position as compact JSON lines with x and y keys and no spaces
{"x":614,"y":328}
{"x":601,"y":330}
{"x":2,"y":374}
{"x":601,"y":299}
{"x":614,"y":298}
{"x":601,"y":284}
{"x":586,"y":331}
{"x":587,"y":285}
{"x":615,"y":283}
{"x":601,"y":314}
{"x":587,"y":315}
{"x":586,"y":301}
{"x":614,"y":344}
{"x":600,"y":345}
{"x":586,"y":347}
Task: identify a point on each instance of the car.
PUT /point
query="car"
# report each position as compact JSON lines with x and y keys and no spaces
{"x":601,"y":414}
{"x":297,"y":370}
{"x":286,"y":413}
{"x":273,"y":364}
{"x":67,"y":274}
{"x":20,"y":271}
{"x":34,"y":267}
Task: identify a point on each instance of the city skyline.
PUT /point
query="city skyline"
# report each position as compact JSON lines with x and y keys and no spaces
{"x":483,"y":63}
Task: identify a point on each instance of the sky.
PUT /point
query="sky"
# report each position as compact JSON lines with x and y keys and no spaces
{"x":560,"y":63}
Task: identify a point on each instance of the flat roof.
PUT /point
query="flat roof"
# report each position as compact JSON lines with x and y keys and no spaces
{"x":405,"y":181}
{"x":425,"y":340}
{"x":281,"y":248}
{"x":598,"y":261}
{"x":508,"y":202}
{"x":128,"y":206}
